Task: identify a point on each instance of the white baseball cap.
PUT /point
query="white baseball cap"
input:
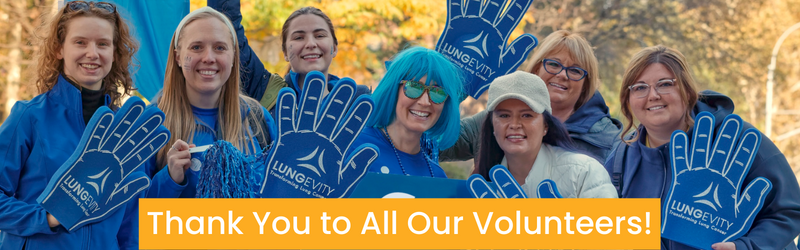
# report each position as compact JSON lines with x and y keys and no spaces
{"x":523,"y":86}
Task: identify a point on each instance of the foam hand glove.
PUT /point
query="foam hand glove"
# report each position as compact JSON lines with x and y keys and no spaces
{"x":504,"y":185}
{"x":313,"y":155}
{"x":706,"y":204}
{"x":547,"y":189}
{"x":103,"y":173}
{"x":475,"y":38}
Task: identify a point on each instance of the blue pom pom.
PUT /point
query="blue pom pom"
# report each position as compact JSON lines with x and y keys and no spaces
{"x":226,"y":173}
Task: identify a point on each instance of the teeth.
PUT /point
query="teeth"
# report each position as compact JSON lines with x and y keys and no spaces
{"x":310,"y":56}
{"x":558,"y":86}
{"x":89,"y":66}
{"x":656,"y":108}
{"x":421,"y":114}
{"x":207,"y":72}
{"x":516,"y":137}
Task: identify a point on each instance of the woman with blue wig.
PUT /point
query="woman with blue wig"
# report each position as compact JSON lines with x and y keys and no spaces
{"x":417,"y":100}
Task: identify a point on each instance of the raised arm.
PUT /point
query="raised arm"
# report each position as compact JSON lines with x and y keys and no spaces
{"x":253,"y":74}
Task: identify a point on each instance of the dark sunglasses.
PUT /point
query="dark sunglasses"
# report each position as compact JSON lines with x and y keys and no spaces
{"x":415,"y":89}
{"x":86,"y":6}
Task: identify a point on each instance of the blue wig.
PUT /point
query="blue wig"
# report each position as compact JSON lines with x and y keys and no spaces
{"x":413,"y":64}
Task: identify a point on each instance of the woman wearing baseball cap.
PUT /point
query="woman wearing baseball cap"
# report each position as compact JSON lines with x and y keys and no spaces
{"x":520,"y":132}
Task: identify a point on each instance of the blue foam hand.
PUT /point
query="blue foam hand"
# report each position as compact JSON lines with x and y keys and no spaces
{"x":705,"y":203}
{"x":313,"y":155}
{"x":504,"y":185}
{"x":547,"y":189}
{"x":475,"y":38}
{"x":104,"y":171}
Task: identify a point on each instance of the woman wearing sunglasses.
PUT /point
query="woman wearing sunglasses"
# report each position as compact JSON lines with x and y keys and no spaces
{"x":308,"y":43}
{"x":658,"y":90}
{"x":202,"y":103}
{"x":418,"y":96}
{"x":521,"y":134}
{"x":566,"y":63}
{"x":82,"y":63}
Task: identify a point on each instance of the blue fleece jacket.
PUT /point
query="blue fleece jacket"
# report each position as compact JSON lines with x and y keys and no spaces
{"x":592,"y":128}
{"x":38,"y":137}
{"x":647,"y":173}
{"x":255,"y":78}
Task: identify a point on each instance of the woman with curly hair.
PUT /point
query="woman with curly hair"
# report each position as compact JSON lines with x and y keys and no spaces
{"x":83,"y":63}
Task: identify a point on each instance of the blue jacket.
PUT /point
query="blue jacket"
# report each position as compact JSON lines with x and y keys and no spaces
{"x":646,"y":174}
{"x":592,"y":128}
{"x":162,"y":185}
{"x":258,"y":82}
{"x":38,"y":137}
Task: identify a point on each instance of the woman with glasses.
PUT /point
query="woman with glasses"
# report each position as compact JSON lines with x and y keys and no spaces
{"x":308,"y":43}
{"x":520,"y":133}
{"x":202,"y":104}
{"x":82,"y":63}
{"x":566,"y":63}
{"x":418,"y":96}
{"x":658,"y":90}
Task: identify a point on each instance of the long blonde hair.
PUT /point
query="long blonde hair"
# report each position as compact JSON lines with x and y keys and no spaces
{"x":672,"y":60}
{"x":580,"y":50}
{"x":174,"y":101}
{"x":48,"y":66}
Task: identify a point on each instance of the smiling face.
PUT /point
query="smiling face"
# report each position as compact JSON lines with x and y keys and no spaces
{"x":309,"y":44}
{"x":564,"y":93}
{"x":518,"y":129}
{"x":88,"y":51}
{"x":416,"y":115}
{"x":658,"y":112}
{"x":205,"y":56}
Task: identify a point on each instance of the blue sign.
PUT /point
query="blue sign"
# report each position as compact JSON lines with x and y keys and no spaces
{"x":376,"y":185}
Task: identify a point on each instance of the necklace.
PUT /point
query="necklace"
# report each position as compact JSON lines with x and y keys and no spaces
{"x":386,"y":133}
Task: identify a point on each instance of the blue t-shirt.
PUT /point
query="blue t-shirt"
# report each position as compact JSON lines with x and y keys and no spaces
{"x":387,"y":163}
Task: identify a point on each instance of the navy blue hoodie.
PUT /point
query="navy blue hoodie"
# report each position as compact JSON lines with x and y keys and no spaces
{"x":592,"y":128}
{"x":647,"y":174}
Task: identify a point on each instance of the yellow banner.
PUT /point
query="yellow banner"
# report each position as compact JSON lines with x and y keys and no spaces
{"x":399,"y":223}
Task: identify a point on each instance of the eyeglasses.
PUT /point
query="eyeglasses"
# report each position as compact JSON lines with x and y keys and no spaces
{"x":664,"y":87}
{"x":554,"y":67}
{"x":415,"y":89}
{"x":86,"y":6}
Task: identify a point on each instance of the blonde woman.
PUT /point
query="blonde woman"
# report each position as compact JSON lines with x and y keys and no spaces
{"x":566,"y":63}
{"x":202,"y":103}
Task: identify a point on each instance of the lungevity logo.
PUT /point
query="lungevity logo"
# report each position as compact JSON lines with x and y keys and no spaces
{"x":84,"y":197}
{"x":699,"y":212}
{"x":307,"y":184}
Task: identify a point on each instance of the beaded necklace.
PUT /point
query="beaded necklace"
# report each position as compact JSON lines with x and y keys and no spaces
{"x":386,"y":134}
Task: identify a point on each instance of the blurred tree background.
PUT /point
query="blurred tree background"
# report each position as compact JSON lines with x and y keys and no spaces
{"x":728,"y":44}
